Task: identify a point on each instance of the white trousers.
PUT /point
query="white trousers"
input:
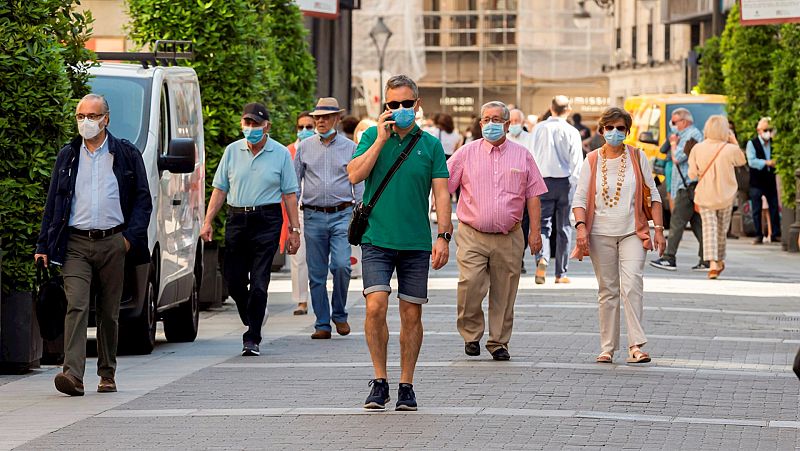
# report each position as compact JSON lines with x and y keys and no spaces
{"x":300,"y":269}
{"x":618,"y":263}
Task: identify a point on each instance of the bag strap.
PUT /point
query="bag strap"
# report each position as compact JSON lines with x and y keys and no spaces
{"x":400,"y":159}
{"x":683,"y":179}
{"x":711,"y":163}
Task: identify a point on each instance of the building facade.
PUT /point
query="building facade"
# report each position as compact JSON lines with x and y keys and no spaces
{"x":654,"y":42}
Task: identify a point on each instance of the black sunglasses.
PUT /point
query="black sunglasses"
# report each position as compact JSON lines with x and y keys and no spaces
{"x":393,"y":105}
{"x":621,"y":128}
{"x":307,"y":127}
{"x":769,"y":129}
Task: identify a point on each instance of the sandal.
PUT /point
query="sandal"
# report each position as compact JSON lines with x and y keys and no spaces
{"x":636,"y":355}
{"x":604,"y":357}
{"x":302,"y":308}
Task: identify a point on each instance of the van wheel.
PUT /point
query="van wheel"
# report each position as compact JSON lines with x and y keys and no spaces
{"x":138,"y":335}
{"x":181,"y":323}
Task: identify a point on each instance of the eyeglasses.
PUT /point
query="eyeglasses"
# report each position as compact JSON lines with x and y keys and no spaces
{"x":769,"y":129}
{"x":91,"y":117}
{"x":408,"y":103}
{"x":307,"y":127}
{"x":621,"y":128}
{"x":496,"y":120}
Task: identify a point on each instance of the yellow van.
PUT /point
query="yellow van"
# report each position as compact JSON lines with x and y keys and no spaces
{"x":651,"y":115}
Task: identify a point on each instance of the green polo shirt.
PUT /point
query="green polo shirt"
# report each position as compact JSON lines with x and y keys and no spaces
{"x":400,"y":218}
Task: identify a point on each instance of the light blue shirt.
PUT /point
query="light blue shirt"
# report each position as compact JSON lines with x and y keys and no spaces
{"x":683,"y":159}
{"x":752,"y":160}
{"x":95,"y":204}
{"x":253,"y":180}
{"x":323,"y":170}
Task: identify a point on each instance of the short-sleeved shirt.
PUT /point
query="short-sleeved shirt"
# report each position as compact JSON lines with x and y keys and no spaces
{"x":400,"y":218}
{"x":255,"y":180}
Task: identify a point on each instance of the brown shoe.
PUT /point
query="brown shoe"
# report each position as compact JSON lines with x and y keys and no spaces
{"x":68,"y":384}
{"x":342,"y":328}
{"x":541,"y":270}
{"x":563,"y":280}
{"x":320,"y":334}
{"x":106,"y":385}
{"x":302,"y":308}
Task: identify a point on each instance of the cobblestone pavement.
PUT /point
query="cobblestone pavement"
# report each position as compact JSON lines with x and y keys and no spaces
{"x":720,"y":378}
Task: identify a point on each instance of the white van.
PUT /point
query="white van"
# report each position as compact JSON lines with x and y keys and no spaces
{"x":158,"y":109}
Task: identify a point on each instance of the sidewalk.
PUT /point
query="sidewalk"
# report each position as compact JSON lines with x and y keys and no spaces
{"x":720,"y":378}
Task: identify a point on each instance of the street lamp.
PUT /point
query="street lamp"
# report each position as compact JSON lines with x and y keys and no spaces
{"x":380,"y":35}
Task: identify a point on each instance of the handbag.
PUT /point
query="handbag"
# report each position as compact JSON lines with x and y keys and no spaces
{"x":647,"y":198}
{"x":51,"y":301}
{"x":361,"y":212}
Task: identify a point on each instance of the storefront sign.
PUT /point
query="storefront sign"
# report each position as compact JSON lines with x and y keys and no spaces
{"x":762,"y":12}
{"x":326,"y":9}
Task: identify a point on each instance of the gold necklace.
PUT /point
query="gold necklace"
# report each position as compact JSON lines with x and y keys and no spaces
{"x":611,"y":203}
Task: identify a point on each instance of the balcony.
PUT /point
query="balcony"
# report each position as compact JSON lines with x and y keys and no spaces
{"x":690,"y":11}
{"x":469,"y":30}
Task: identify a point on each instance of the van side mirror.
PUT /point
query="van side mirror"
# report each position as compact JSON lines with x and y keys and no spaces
{"x":647,"y":138}
{"x":179,"y":158}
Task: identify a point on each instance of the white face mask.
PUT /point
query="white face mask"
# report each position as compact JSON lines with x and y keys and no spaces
{"x":766,"y":136}
{"x":88,"y":128}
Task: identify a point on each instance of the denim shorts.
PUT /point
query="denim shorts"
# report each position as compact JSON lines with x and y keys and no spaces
{"x":378,"y":264}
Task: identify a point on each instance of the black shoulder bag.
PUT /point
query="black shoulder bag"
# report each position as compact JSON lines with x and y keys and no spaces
{"x":51,"y":301}
{"x":361,"y":212}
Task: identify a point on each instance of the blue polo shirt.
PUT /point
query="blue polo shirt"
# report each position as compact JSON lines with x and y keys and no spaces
{"x":252,"y":180}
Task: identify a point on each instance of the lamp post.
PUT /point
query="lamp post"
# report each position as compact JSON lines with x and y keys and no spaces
{"x":380,"y":35}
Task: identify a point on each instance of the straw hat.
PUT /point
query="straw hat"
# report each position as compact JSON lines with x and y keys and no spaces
{"x":327,"y":105}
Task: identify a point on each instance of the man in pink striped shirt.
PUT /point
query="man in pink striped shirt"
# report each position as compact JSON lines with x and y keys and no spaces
{"x":498,"y":180}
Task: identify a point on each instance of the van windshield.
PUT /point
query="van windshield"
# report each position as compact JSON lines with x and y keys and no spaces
{"x":700,"y":112}
{"x":128,"y":101}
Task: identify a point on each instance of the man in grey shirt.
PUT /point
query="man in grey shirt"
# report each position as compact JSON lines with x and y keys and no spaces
{"x":327,"y":203}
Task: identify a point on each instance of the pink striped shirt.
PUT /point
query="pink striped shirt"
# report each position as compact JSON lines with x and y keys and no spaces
{"x":495,"y":183}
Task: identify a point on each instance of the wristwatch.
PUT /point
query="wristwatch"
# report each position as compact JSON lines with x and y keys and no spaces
{"x":446,"y":235}
{"x":294,"y":229}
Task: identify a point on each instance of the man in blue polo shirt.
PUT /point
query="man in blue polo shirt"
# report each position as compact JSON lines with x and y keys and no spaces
{"x":254,"y":175}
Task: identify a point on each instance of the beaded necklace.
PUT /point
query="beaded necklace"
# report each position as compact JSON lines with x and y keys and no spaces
{"x":611,"y":203}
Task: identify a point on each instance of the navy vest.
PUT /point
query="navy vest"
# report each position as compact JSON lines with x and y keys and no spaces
{"x":762,"y":178}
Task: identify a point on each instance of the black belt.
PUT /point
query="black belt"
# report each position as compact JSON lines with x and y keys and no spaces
{"x":96,"y":234}
{"x":334,"y":209}
{"x":252,"y":209}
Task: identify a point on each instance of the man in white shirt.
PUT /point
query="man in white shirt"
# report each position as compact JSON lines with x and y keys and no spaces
{"x":518,"y":134}
{"x":558,"y":151}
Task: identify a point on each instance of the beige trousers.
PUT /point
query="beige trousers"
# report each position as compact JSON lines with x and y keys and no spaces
{"x":487,"y":263}
{"x":618,"y":263}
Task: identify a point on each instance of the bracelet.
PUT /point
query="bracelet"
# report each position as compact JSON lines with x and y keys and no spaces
{"x":579,"y":223}
{"x":658,"y":227}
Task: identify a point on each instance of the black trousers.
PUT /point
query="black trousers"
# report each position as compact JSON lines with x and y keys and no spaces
{"x":774,"y":210}
{"x":251,"y":240}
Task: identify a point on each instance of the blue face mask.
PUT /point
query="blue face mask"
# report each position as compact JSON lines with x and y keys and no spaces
{"x":493,"y":131}
{"x":614,"y":137}
{"x":515,"y":129}
{"x":327,"y":134}
{"x":403,"y":117}
{"x":673,"y":128}
{"x":253,"y":134}
{"x":305,"y":133}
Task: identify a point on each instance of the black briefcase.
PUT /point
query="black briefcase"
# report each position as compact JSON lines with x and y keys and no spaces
{"x":51,"y":301}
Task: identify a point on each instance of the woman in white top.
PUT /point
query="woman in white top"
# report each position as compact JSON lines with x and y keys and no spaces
{"x":450,"y":137}
{"x":611,"y":213}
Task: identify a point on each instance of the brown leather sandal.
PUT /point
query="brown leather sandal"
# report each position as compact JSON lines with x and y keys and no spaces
{"x":605,"y":357}
{"x":636,"y":355}
{"x":302,"y":308}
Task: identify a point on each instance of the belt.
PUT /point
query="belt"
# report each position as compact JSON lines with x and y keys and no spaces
{"x":334,"y":209}
{"x":96,"y":234}
{"x":251,"y":209}
{"x":513,"y":228}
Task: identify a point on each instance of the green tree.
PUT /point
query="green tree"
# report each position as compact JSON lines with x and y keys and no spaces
{"x":40,"y":47}
{"x":746,"y":65}
{"x":710,"y":79}
{"x":785,"y":108}
{"x":236,"y":60}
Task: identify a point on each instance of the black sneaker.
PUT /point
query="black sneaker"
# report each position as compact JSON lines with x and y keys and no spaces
{"x":378,"y":396}
{"x":701,"y":267}
{"x":472,"y":348}
{"x":663,"y":263}
{"x":406,"y":400}
{"x":250,"y":349}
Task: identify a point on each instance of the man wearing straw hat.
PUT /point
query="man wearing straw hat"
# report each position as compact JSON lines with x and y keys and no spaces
{"x":327,"y":198}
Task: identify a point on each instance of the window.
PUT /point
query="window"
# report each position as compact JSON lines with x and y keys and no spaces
{"x":667,"y":43}
{"x":654,"y":125}
{"x":633,"y":44}
{"x":649,"y":41}
{"x":163,"y":129}
{"x":618,"y":38}
{"x":129,"y":102}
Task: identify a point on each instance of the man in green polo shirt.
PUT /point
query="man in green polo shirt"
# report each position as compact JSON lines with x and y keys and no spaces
{"x":398,"y":236}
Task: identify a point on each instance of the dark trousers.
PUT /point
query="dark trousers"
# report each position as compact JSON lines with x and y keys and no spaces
{"x":526,"y":229}
{"x":251,"y":240}
{"x":103,"y":261}
{"x":683,"y":212}
{"x":555,"y":214}
{"x":774,"y":210}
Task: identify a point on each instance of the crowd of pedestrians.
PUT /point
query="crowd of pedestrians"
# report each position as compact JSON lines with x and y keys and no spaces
{"x":514,"y":183}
